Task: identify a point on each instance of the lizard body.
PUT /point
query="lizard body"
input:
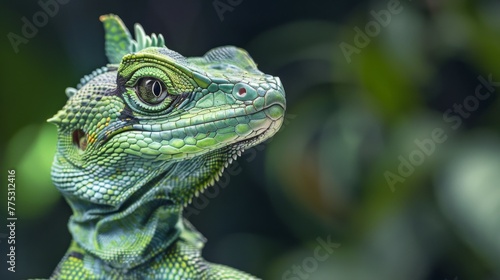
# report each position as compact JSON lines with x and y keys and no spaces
{"x":139,"y":138}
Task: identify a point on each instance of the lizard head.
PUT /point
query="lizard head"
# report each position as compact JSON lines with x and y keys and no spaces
{"x":155,"y":123}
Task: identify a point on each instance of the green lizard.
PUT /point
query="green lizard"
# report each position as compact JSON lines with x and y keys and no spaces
{"x":139,"y":138}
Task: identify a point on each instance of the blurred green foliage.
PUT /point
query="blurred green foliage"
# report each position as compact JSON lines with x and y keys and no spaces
{"x":323,"y":175}
{"x":30,"y":153}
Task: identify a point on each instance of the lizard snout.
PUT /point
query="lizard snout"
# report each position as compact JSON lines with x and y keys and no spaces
{"x":275,"y":102}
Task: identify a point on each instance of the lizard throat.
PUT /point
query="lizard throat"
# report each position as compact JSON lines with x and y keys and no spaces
{"x":150,"y":220}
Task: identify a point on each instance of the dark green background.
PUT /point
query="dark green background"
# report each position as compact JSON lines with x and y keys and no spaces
{"x":323,"y":174}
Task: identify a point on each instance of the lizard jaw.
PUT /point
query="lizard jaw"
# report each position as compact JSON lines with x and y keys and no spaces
{"x":235,"y":151}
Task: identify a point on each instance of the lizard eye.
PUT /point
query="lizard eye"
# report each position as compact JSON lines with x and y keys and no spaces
{"x":151,"y":91}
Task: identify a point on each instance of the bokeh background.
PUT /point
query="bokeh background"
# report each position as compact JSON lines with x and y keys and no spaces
{"x":351,"y":120}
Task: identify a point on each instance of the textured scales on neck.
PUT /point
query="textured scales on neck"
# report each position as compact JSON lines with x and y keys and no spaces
{"x":139,"y":138}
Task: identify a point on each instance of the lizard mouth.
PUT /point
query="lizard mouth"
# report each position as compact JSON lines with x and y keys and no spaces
{"x":275,"y":113}
{"x":79,"y":138}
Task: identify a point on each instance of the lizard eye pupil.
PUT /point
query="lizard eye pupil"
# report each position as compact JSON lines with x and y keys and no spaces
{"x":151,"y":91}
{"x":156,"y":88}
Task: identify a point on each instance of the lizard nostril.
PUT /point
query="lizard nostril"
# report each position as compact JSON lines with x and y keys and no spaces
{"x":242,"y":92}
{"x":80,"y":139}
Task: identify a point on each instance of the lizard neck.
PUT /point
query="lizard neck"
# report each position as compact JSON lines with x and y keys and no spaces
{"x":150,"y":220}
{"x":126,"y":237}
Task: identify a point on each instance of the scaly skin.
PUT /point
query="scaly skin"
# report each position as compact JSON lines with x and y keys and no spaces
{"x":139,"y":138}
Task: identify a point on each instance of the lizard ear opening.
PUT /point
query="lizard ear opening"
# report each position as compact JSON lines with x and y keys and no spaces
{"x":231,"y":55}
{"x":79,"y":138}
